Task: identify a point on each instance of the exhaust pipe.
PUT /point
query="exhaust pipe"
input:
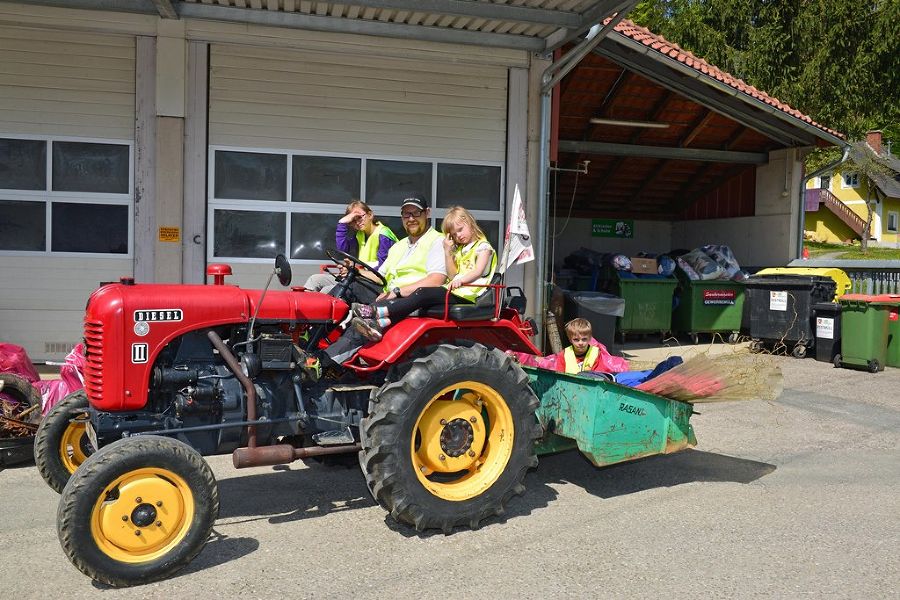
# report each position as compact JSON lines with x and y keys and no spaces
{"x":281,"y":454}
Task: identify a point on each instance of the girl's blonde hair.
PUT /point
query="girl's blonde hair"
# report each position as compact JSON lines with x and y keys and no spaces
{"x":459,"y":214}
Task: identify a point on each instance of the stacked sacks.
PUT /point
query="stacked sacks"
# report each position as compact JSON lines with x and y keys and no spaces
{"x":711,"y":262}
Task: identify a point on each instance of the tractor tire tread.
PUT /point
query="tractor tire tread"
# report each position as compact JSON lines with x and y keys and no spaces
{"x":390,"y":408}
{"x":73,"y":514}
{"x":48,"y":436}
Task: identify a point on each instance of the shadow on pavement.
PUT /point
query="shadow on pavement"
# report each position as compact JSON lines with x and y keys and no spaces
{"x":287,"y":495}
{"x":648,"y":473}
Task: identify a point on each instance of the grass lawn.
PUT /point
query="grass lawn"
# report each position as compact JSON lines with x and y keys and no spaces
{"x":817,"y":249}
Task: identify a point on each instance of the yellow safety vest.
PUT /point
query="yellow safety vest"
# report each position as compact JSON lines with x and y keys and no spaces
{"x":368,"y":248}
{"x":399,"y":273}
{"x":590,"y":357}
{"x":465,"y":259}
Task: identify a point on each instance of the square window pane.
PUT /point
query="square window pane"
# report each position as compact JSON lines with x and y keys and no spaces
{"x":476,"y":187}
{"x":251,"y":176}
{"x":395,"y":224}
{"x":89,"y":228}
{"x":247,"y":233}
{"x":311,"y":234}
{"x":90,"y":167}
{"x":388,"y":182}
{"x":326,"y":179}
{"x":491,"y":229}
{"x":22,"y":225}
{"x":23,"y":164}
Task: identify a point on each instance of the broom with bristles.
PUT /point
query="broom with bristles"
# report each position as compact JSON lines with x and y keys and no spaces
{"x":734,"y":376}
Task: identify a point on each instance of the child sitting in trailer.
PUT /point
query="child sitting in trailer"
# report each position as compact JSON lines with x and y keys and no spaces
{"x":585,"y":354}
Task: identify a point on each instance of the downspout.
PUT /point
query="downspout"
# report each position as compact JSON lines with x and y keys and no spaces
{"x":552,"y":76}
{"x":802,"y":221}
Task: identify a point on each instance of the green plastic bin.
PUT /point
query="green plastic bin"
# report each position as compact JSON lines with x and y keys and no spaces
{"x":892,"y":358}
{"x":648,"y":304}
{"x":892,"y":301}
{"x":715,"y":306}
{"x":864,"y":332}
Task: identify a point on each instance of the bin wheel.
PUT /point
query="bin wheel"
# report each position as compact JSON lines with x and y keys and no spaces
{"x":756,"y":346}
{"x":799,"y":351}
{"x":874,"y":366}
{"x":837,"y":361}
{"x":695,"y":339}
{"x":734,"y":337}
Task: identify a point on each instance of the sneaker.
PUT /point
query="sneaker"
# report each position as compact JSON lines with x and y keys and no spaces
{"x":368,"y":328}
{"x":364,"y":311}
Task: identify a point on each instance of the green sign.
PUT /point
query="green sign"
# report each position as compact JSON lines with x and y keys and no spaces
{"x":615,"y":228}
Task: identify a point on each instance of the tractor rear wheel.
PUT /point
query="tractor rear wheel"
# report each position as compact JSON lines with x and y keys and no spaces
{"x":450,"y":441}
{"x":61,"y":443}
{"x":137,"y":511}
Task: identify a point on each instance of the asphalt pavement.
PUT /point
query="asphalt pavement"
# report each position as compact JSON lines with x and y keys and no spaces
{"x":788,"y":499}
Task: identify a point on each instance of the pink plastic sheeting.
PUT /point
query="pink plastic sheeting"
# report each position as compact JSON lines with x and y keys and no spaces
{"x":70,"y":380}
{"x":14,"y":359}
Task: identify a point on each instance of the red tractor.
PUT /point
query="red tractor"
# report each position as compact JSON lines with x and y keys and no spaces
{"x":441,"y":420}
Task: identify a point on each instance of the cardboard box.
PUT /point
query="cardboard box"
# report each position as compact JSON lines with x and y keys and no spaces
{"x":644,"y":266}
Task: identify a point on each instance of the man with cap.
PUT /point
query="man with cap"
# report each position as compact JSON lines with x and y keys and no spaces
{"x":415,"y":261}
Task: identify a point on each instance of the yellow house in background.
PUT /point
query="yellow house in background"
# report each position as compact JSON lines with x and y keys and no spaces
{"x":836,"y":202}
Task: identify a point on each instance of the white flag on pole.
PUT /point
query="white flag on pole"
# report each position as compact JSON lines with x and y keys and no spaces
{"x":517,"y":243}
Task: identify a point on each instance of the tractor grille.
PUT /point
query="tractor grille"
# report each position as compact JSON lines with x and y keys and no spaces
{"x":93,"y":368}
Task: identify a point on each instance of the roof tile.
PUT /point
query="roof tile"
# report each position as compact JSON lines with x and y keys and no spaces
{"x":665,"y":47}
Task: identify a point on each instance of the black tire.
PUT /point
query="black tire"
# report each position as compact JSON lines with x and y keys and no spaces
{"x":23,"y":393}
{"x":875,"y":366}
{"x":837,"y":361}
{"x":397,"y":468}
{"x":734,"y":337}
{"x":799,"y":351}
{"x":60,"y":445}
{"x":115,"y":493}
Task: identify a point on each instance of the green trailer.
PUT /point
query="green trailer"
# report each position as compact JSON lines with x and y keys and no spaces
{"x":607,"y":422}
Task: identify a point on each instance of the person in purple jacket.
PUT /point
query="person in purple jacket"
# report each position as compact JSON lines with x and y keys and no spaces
{"x":359,"y":234}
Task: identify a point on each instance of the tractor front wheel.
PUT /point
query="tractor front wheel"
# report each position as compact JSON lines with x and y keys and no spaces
{"x":137,"y":511}
{"x":61,"y":443}
{"x":450,"y":441}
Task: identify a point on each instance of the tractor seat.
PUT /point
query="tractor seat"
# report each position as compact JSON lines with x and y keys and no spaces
{"x":483,"y":308}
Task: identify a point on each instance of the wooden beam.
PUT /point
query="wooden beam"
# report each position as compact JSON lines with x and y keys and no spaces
{"x":696,"y":127}
{"x":694,"y":154}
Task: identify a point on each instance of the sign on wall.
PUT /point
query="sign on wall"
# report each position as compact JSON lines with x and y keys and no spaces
{"x":614,"y":228}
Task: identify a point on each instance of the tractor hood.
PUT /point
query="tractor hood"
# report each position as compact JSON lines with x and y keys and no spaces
{"x":126,"y":325}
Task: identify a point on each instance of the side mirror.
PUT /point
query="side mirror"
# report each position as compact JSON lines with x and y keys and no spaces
{"x":283,"y":270}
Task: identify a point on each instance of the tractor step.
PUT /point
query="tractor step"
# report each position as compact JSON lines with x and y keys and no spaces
{"x":334,"y":437}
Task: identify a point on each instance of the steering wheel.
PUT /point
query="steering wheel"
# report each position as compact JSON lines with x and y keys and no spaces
{"x":338,"y":257}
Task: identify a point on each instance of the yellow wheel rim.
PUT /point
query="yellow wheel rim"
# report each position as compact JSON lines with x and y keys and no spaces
{"x":462,"y":441}
{"x":70,"y":446}
{"x":142,"y":515}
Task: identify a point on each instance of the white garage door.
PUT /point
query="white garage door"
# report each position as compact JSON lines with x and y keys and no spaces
{"x":294,"y":135}
{"x":66,"y":179}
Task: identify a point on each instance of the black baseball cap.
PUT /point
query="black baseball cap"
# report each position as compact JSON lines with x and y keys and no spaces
{"x":414,"y":201}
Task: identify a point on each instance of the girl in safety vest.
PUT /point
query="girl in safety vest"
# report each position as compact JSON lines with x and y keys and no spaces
{"x":585,"y":354}
{"x":470,"y":261}
{"x":359,"y":234}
